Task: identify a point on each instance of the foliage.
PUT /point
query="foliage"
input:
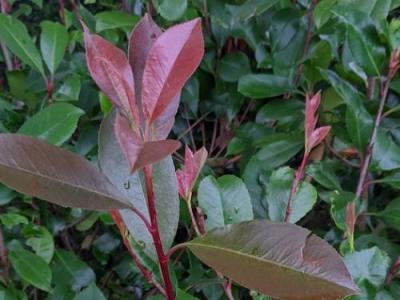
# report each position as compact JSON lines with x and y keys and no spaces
{"x":289,"y":113}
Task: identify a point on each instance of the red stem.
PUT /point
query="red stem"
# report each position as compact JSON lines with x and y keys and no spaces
{"x":162,"y":257}
{"x":297,"y":177}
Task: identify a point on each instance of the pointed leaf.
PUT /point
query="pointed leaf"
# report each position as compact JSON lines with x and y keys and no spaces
{"x":116,"y":168}
{"x":36,"y":168}
{"x":31,"y":268}
{"x":153,"y":152}
{"x":171,"y":61}
{"x":281,"y":260}
{"x":55,"y":123}
{"x":224,"y":201}
{"x":111,"y":71}
{"x":142,"y":39}
{"x":317,"y":136}
{"x":53,"y":41}
{"x":260,"y":86}
{"x":16,"y":37}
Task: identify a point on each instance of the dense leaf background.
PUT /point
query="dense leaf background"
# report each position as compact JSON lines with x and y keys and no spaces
{"x":245,"y":104}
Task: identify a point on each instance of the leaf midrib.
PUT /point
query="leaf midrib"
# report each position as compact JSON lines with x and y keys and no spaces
{"x":265,"y":261}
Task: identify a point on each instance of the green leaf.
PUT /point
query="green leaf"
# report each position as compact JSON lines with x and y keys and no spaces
{"x":368,"y":265}
{"x":182,"y":295}
{"x":233,"y":66}
{"x":251,"y":8}
{"x":31,"y":268}
{"x":69,"y":90}
{"x":270,"y":257}
{"x":40,"y":240}
{"x":70,"y":271}
{"x":358,"y":120}
{"x":391,"y":214}
{"x":393,"y":180}
{"x":10,"y":220}
{"x":172,"y":10}
{"x":92,"y":292}
{"x":324,"y":175}
{"x":260,"y":86}
{"x":277,"y":196}
{"x":277,"y":149}
{"x":322,"y":12}
{"x":224,"y":201}
{"x":362,"y":51}
{"x":53,"y":41}
{"x":386,"y":153}
{"x":16,"y":37}
{"x":116,"y":168}
{"x":55,"y":124}
{"x":339,"y":201}
{"x":278,"y":109}
{"x":115,"y":19}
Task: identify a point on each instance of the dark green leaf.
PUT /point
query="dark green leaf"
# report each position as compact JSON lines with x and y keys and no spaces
{"x":270,"y":257}
{"x":260,"y":86}
{"x":172,"y":10}
{"x":70,"y":271}
{"x":386,"y":154}
{"x":69,"y":90}
{"x":391,"y":213}
{"x":324,"y":175}
{"x":92,"y":292}
{"x":233,"y":66}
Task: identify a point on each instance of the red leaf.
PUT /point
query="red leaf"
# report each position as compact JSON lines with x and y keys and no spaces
{"x":131,"y":144}
{"x":317,"y":136}
{"x":111,"y":71}
{"x":191,"y":170}
{"x":141,"y":40}
{"x":171,"y":61}
{"x":312,"y":104}
{"x":153,"y":152}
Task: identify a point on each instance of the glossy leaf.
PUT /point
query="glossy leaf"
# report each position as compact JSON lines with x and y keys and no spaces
{"x":54,"y":124}
{"x":40,"y":240}
{"x":386,"y":153}
{"x":260,"y":86}
{"x":280,"y":260}
{"x":224,"y":201}
{"x":31,"y":268}
{"x":69,"y":90}
{"x":391,"y":213}
{"x":15,"y":35}
{"x":323,"y":173}
{"x":92,"y":292}
{"x":172,"y":10}
{"x":70,"y":271}
{"x":116,"y":168}
{"x":115,"y":19}
{"x":111,"y":71}
{"x":36,"y":168}
{"x":233,"y":66}
{"x":169,"y":65}
{"x":137,"y":152}
{"x":368,"y":265}
{"x":53,"y":41}
{"x":278,"y":190}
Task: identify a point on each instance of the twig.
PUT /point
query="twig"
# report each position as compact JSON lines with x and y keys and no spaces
{"x":155,"y":233}
{"x":351,"y":215}
{"x":193,"y":125}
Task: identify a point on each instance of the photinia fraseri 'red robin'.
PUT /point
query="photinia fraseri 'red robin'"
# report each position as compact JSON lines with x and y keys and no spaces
{"x":145,"y":88}
{"x":312,"y":137}
{"x":187,"y":177}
